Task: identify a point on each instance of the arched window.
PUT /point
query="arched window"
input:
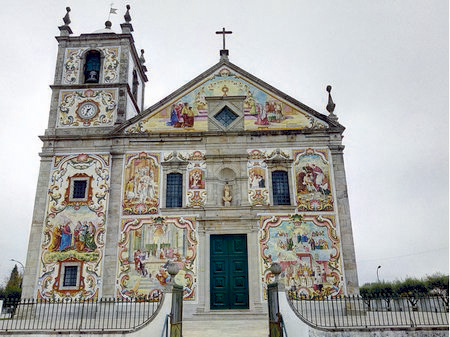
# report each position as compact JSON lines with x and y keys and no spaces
{"x":134,"y":90}
{"x":280,"y":188}
{"x":92,"y":67}
{"x":174,"y":190}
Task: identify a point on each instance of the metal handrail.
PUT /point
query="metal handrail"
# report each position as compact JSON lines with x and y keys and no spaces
{"x":381,"y":311}
{"x":105,"y":314}
{"x":166,"y":326}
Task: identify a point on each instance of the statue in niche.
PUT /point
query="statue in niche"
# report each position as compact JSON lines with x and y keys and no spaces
{"x":227,"y":195}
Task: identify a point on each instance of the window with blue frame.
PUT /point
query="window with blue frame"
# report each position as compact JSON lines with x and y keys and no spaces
{"x":280,"y":188}
{"x":174,"y":190}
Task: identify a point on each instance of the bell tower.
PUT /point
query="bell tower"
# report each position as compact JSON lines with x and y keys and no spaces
{"x":99,"y":79}
{"x":99,"y":83}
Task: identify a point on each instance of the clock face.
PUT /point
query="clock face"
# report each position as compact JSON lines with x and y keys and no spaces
{"x":87,"y":110}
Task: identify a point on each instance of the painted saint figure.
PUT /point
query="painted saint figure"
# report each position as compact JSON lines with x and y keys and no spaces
{"x":174,"y":117}
{"x":262,"y":115}
{"x":66,"y":237}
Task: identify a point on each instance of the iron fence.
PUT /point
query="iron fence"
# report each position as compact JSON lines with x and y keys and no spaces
{"x":105,"y":314}
{"x":381,"y":311}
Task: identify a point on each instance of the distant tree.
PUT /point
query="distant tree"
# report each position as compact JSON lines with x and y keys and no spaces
{"x":15,"y":279}
{"x":13,"y":288}
{"x":377,"y":289}
{"x":437,"y":284}
{"x":411,"y":287}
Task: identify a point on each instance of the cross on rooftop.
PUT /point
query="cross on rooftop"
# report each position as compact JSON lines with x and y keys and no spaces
{"x":223,"y":32}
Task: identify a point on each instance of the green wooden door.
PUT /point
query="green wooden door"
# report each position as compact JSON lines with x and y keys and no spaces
{"x":229,"y":272}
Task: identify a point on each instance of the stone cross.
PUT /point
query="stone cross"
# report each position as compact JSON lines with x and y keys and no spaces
{"x":223,"y":32}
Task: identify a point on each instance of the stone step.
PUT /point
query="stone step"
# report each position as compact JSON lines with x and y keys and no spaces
{"x":229,"y":315}
{"x":226,"y":328}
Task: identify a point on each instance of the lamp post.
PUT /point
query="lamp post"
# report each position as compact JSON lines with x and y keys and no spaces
{"x":23,"y":270}
{"x":378,"y":278}
{"x":21,"y":264}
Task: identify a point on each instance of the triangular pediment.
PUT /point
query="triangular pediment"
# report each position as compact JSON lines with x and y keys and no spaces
{"x":263,"y":107}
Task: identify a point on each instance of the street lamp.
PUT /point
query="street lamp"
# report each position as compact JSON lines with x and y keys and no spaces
{"x":23,"y":270}
{"x":378,"y":278}
{"x":21,"y":264}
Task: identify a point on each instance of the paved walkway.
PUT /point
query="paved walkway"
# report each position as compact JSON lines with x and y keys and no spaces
{"x":226,"y":328}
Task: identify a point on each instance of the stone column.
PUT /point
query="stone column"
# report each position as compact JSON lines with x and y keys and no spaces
{"x":345,"y":223}
{"x":34,"y":246}
{"x":112,"y":226}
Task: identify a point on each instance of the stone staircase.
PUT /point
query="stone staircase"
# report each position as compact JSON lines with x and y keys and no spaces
{"x":230,"y":323}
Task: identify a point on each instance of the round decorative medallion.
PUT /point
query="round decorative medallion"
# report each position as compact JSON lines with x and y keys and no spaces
{"x":87,"y":110}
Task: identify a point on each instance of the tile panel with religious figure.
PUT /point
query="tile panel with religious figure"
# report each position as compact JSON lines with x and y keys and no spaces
{"x":308,"y":249}
{"x":314,"y":188}
{"x":262,"y":109}
{"x":141,"y":181}
{"x":75,"y":223}
{"x":147,"y":246}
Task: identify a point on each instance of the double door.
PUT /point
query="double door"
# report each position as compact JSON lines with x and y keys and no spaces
{"x":229,"y":272}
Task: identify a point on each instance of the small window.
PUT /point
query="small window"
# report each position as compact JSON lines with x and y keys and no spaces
{"x":92,"y":67}
{"x":225,"y":116}
{"x":70,"y":276}
{"x":174,"y":190}
{"x":280,"y":188}
{"x":79,"y":189}
{"x":134,"y":90}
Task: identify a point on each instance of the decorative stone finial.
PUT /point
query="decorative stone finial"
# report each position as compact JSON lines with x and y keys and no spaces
{"x":331,"y":106}
{"x":127,"y":15}
{"x":65,"y":29}
{"x":108,"y":24}
{"x":276,"y":270}
{"x":173,"y":269}
{"x":127,"y":27}
{"x":141,"y":58}
{"x":66,"y":17}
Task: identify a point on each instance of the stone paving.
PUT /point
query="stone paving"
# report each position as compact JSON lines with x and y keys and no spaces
{"x":226,"y":328}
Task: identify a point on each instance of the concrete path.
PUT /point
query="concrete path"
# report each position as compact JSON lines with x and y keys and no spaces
{"x":226,"y":328}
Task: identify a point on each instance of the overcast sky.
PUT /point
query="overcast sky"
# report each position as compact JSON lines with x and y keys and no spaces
{"x":386,"y":60}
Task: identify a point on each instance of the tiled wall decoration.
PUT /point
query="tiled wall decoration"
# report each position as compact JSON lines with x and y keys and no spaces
{"x":146,"y":246}
{"x":87,"y":108}
{"x":74,"y":228}
{"x":141,"y":183}
{"x":262,"y":109}
{"x":314,"y":189}
{"x":73,"y":65}
{"x":258,"y":191}
{"x":307,"y":247}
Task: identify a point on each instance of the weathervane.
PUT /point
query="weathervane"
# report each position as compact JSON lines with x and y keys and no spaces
{"x":111,"y":10}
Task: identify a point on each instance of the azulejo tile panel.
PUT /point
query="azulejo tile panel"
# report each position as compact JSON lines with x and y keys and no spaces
{"x":258,"y":191}
{"x":73,"y":62}
{"x":141,"y":181}
{"x":314,"y":188}
{"x":87,"y":108}
{"x":146,"y":247}
{"x":307,"y":247}
{"x":74,"y":228}
{"x":262,"y":109}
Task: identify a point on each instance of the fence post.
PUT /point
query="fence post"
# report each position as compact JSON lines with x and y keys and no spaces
{"x":275,"y":318}
{"x":176,"y":312}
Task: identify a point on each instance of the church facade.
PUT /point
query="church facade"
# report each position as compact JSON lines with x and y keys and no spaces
{"x":223,"y":177}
